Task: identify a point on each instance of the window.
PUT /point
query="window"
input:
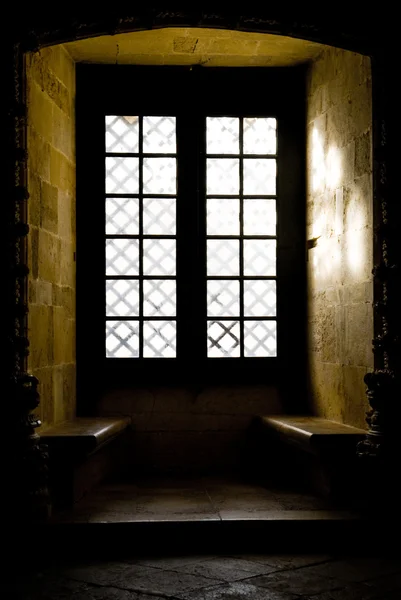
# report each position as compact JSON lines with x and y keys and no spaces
{"x":190,"y":220}
{"x":140,"y":247}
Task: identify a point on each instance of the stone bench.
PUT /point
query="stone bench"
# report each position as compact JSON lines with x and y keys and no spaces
{"x":82,"y":452}
{"x":312,"y":450}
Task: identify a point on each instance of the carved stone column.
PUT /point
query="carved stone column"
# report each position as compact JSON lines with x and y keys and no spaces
{"x":26,"y":471}
{"x":383,"y":384}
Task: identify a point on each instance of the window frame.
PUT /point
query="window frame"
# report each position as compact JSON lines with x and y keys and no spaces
{"x":189,"y":98}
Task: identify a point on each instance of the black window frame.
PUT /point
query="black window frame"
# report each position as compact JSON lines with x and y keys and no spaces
{"x":191,"y":94}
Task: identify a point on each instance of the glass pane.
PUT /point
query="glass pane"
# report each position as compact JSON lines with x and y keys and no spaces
{"x":260,"y":298}
{"x":259,"y":217}
{"x":159,"y":216}
{"x":122,"y":216}
{"x":223,"y":339}
{"x":159,"y":257}
{"x":260,"y":257}
{"x":223,"y":257}
{"x":260,"y":176}
{"x":122,"y":134}
{"x":159,"y":176}
{"x":222,"y":135}
{"x":122,"y":175}
{"x":159,"y":298}
{"x":122,"y":257}
{"x":122,"y":339}
{"x":260,"y":338}
{"x":159,"y":339}
{"x":260,"y":136}
{"x":222,"y":216}
{"x":222,"y":298}
{"x":222,"y":176}
{"x":159,"y":134}
{"x":122,"y":298}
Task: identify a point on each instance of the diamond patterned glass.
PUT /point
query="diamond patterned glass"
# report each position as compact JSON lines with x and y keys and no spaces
{"x":222,"y":216}
{"x":158,"y":257}
{"x":159,"y":176}
{"x":259,"y":217}
{"x":122,"y":298}
{"x":222,"y":298}
{"x":260,"y":298}
{"x":159,"y":216}
{"x":159,"y":298}
{"x":122,"y":175}
{"x":122,"y":134}
{"x":122,"y":339}
{"x":222,"y":176}
{"x":260,"y":338}
{"x":260,"y":136}
{"x":222,"y":257}
{"x":260,"y":176}
{"x":122,"y":257}
{"x":159,"y":339}
{"x":222,"y":135}
{"x":223,"y":339}
{"x":122,"y":216}
{"x":260,"y":257}
{"x":159,"y":135}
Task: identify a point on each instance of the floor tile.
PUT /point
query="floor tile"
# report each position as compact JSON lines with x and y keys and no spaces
{"x":226,"y":569}
{"x":237,"y":591}
{"x":297,"y":582}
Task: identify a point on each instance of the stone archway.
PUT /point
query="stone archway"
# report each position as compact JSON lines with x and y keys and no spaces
{"x":382,"y":384}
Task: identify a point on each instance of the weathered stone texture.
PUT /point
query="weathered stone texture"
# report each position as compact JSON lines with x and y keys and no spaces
{"x":51,"y":254}
{"x":340,"y":215}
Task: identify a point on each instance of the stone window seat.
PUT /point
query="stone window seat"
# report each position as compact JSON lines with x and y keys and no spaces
{"x":317,"y":452}
{"x":82,"y":452}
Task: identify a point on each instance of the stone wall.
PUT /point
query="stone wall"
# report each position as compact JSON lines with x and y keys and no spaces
{"x":339,"y":213}
{"x":51,"y":217}
{"x":188,"y":429}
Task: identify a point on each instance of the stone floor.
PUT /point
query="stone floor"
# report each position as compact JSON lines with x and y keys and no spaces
{"x":197,"y":499}
{"x":250,"y":577}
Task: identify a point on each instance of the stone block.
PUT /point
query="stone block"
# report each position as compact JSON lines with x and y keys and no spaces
{"x":33,"y":252}
{"x":49,"y":207}
{"x":358,"y":293}
{"x":32,"y":290}
{"x":44,"y":293}
{"x":363,"y":154}
{"x":40,"y":112}
{"x":66,"y":210}
{"x":40,"y":329}
{"x":49,"y":256}
{"x":67,"y":264}
{"x":39,"y":155}
{"x":64,"y":337}
{"x":347,"y":165}
{"x":358,"y":334}
{"x":358,"y":255}
{"x":62,"y":172}
{"x":63,"y":133}
{"x":34,"y":183}
{"x":64,"y":296}
{"x":57,"y":91}
{"x":327,"y":399}
{"x":355,"y":400}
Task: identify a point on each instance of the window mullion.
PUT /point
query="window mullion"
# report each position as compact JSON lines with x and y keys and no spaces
{"x":241,"y":241}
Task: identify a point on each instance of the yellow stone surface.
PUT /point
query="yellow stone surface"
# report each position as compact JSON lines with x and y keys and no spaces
{"x":191,"y":46}
{"x":51,"y":246}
